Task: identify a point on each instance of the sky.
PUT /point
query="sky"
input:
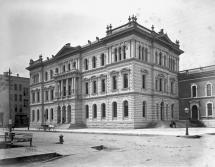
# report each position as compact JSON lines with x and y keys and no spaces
{"x":29,"y":28}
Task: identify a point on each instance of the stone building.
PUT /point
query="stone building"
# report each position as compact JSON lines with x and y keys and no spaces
{"x":15,"y":100}
{"x":198,"y":94}
{"x":126,"y":79}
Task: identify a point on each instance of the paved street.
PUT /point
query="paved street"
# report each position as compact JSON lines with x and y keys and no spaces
{"x":123,"y":150}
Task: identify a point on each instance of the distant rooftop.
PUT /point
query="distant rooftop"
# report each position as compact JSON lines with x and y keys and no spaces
{"x":198,"y":70}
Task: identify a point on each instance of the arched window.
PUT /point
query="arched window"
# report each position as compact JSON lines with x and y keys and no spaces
{"x":194,"y":90}
{"x":56,"y":70}
{"x":87,"y":111}
{"x":114,"y":108}
{"x":38,"y":115}
{"x":85,"y":64}
{"x":46,"y":114}
{"x":144,"y":109}
{"x":125,"y":107}
{"x":94,"y":111}
{"x":209,"y":109}
{"x":103,"y":109}
{"x":51,"y":114}
{"x":209,"y":89}
{"x":94,"y":62}
{"x":33,"y":115}
{"x":46,"y":76}
{"x":51,"y":74}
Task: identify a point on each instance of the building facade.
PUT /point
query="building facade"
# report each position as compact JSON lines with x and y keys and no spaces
{"x":125,"y":79}
{"x":14,"y":100}
{"x":198,"y":94}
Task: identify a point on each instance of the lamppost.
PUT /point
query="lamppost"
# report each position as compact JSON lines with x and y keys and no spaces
{"x":10,"y":114}
{"x":186,"y":110}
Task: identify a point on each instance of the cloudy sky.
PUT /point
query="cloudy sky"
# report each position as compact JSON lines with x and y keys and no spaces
{"x":29,"y":28}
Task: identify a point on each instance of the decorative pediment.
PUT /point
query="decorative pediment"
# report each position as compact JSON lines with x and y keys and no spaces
{"x":144,"y":71}
{"x":124,"y":70}
{"x":93,"y":77}
{"x":160,"y":76}
{"x":103,"y":76}
{"x":114,"y":72}
{"x":165,"y":37}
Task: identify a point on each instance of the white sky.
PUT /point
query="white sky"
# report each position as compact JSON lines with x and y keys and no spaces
{"x":32,"y":27}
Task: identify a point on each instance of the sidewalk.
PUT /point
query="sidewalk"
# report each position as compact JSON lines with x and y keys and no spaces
{"x":131,"y":132}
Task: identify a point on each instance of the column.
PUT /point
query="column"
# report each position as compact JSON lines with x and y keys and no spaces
{"x":61,"y":119}
{"x":74,"y":85}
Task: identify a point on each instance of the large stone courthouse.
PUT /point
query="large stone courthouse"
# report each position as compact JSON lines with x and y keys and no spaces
{"x":124,"y":80}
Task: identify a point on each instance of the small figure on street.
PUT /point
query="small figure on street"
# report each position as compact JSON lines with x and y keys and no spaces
{"x":172,"y":124}
{"x":61,"y":139}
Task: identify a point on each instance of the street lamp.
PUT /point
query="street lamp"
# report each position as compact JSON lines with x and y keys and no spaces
{"x":186,"y":110}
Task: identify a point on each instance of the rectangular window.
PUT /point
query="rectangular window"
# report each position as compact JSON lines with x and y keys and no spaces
{"x":124,"y":52}
{"x":86,"y":88}
{"x":143,"y":81}
{"x":69,"y":90}
{"x":115,"y":54}
{"x":161,"y":84}
{"x":209,"y":109}
{"x":15,"y":86}
{"x":120,"y":55}
{"x":156,"y":85}
{"x":38,"y":96}
{"x":94,"y":87}
{"x":33,"y":97}
{"x":25,"y":103}
{"x":103,"y":85}
{"x":52,"y":94}
{"x":47,"y":95}
{"x":114,"y":82}
{"x":125,"y":80}
{"x":172,"y":87}
{"x":144,"y":109}
{"x":102,"y":59}
{"x":64,"y":90}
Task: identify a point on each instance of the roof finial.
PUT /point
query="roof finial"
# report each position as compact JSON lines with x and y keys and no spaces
{"x":129,"y":18}
{"x":177,"y":42}
{"x":110,"y":27}
{"x":153,"y":27}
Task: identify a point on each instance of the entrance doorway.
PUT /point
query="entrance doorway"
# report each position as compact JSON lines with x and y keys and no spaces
{"x":194,"y":112}
{"x":162,"y":110}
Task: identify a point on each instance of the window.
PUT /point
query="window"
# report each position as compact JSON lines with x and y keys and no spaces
{"x":209,"y":109}
{"x":94,"y":62}
{"x":142,"y":53}
{"x":85,"y":64}
{"x":25,"y":103}
{"x":46,"y":76}
{"x":172,"y":87}
{"x":209,"y":89}
{"x":164,"y":60}
{"x":51,"y":74}
{"x":64,"y":90}
{"x":56,"y":70}
{"x":51,"y":114}
{"x":103,"y":85}
{"x":74,"y":65}
{"x":20,"y":87}
{"x":15,"y":97}
{"x":144,"y":109}
{"x":38,"y":96}
{"x":64,"y":68}
{"x":115,"y":54}
{"x":94,"y":87}
{"x":120,"y":54}
{"x":172,"y":111}
{"x":143,"y":81}
{"x":87,"y":111}
{"x":114,"y":106}
{"x":194,"y":89}
{"x":156,"y":57}
{"x":165,"y":85}
{"x":125,"y":107}
{"x":86,"y":88}
{"x":160,"y":84}
{"x":47,"y":95}
{"x":69,"y":89}
{"x":38,"y":115}
{"x":94,"y":111}
{"x":139,"y":50}
{"x":52,"y":94}
{"x":15,"y":86}
{"x":124,"y":52}
{"x":146,"y":55}
{"x":125,"y":80}
{"x":103,"y":109}
{"x":46,"y":114}
{"x":36,"y":78}
{"x":156,"y":84}
{"x":20,"y":97}
{"x":160,"y":58}
{"x":114,"y":82}
{"x":102,"y":59}
{"x":68,"y":66}
{"x":15,"y":108}
{"x":33,"y":115}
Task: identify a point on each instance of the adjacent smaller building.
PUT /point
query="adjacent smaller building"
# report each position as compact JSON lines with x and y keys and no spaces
{"x":14,"y":100}
{"x":197,"y":92}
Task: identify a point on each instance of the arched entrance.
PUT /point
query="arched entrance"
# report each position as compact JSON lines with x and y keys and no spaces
{"x":64,"y":114}
{"x":195,"y":112}
{"x":69,"y":114}
{"x":58,"y":114}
